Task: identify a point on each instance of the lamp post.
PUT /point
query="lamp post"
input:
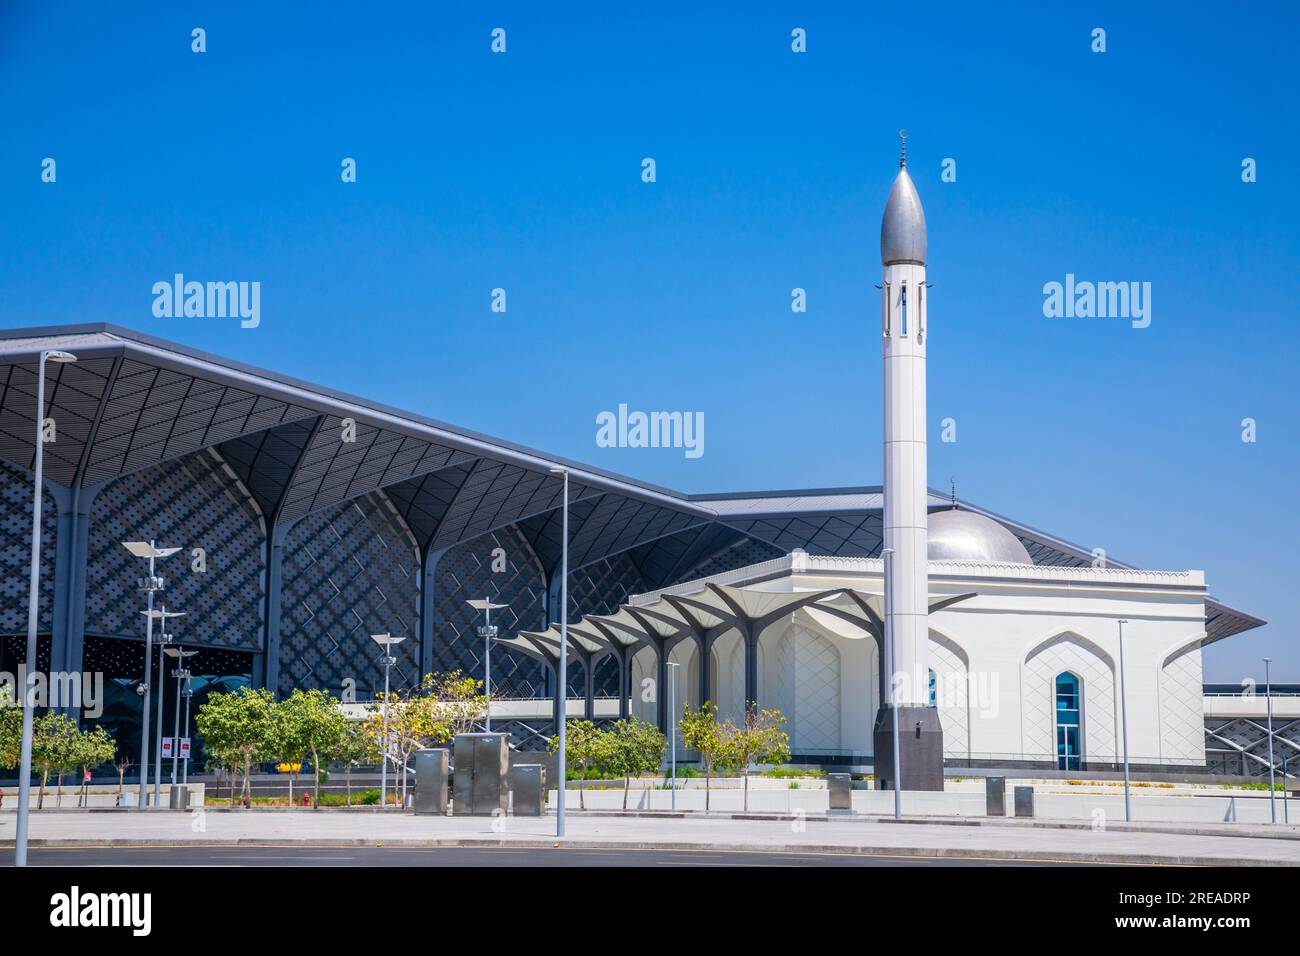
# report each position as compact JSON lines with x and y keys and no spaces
{"x":163,"y":640}
{"x":1286,"y":810}
{"x":672,"y":700}
{"x":563,"y":680}
{"x":1123,"y":719}
{"x":488,"y":632}
{"x":178,"y":672}
{"x":888,"y":555}
{"x":386,"y":641}
{"x":189,"y":693}
{"x":1268,"y":698}
{"x":33,"y":612}
{"x":149,"y":585}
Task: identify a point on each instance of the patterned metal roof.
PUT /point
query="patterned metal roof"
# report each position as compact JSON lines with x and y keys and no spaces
{"x":132,"y":401}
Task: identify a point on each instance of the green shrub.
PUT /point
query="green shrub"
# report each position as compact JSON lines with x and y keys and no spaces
{"x":684,"y":771}
{"x":785,"y":772}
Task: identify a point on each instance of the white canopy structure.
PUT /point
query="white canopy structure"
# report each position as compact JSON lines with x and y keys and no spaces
{"x":704,"y":612}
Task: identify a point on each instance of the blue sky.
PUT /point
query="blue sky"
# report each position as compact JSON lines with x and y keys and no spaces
{"x":522,"y":171}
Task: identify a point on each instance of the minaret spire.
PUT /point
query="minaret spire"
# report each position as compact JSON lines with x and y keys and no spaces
{"x":904,"y":514}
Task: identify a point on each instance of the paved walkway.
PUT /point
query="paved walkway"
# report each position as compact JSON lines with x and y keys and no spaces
{"x":1246,"y":845}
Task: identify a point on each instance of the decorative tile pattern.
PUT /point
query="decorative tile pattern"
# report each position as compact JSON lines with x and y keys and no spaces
{"x":952,"y":694}
{"x":349,"y":572}
{"x":191,"y":502}
{"x":808,"y":688}
{"x":16,"y":552}
{"x":1095,"y":670}
{"x":465,"y":573}
{"x":1182,"y":708}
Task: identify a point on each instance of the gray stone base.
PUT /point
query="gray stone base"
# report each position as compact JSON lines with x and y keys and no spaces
{"x":920,"y":748}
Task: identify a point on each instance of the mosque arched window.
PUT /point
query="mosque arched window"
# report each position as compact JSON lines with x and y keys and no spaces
{"x":1069,"y":752}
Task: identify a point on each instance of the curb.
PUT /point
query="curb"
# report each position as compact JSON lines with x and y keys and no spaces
{"x":1063,"y":856}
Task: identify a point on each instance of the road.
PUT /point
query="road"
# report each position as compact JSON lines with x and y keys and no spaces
{"x":272,"y":855}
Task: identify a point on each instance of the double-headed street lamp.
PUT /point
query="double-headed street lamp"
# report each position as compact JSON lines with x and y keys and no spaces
{"x":150,"y":585}
{"x":164,"y":639}
{"x":33,"y":612}
{"x":188,"y":694}
{"x":179,"y":672}
{"x":488,"y":631}
{"x":387,"y":642}
{"x":562,"y":682}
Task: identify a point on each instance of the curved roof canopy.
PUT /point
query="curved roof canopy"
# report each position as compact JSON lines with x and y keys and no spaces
{"x":132,"y":401}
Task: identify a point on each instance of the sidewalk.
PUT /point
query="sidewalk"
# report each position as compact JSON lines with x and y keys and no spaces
{"x":991,"y":839}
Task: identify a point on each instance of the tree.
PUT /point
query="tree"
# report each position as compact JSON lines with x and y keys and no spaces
{"x":237,"y":727}
{"x":759,"y":739}
{"x":356,"y":748}
{"x":11,"y":730}
{"x":121,"y":765}
{"x":53,"y":735}
{"x":319,"y":727}
{"x":457,"y":703}
{"x":581,"y":747}
{"x":701,"y":731}
{"x":286,"y":742}
{"x":410,"y":724}
{"x":631,"y":747}
{"x":90,"y":749}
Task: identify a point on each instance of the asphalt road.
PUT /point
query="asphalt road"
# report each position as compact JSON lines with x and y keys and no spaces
{"x":459,"y":857}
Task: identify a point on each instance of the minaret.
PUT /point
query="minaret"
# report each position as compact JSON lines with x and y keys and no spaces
{"x":904,"y":331}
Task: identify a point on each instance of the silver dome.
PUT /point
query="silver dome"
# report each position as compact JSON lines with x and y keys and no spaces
{"x":902,"y":230}
{"x":967,"y":536}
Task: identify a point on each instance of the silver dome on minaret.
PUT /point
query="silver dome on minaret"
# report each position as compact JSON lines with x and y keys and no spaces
{"x":902,"y":230}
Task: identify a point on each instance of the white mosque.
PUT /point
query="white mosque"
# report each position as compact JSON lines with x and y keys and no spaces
{"x":998,"y":661}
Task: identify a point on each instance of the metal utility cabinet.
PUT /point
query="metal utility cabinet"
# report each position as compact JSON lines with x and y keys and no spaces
{"x":529,"y":784}
{"x":431,"y":781}
{"x":481,"y":765}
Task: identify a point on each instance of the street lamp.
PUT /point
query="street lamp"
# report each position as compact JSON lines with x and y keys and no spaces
{"x":33,"y":611}
{"x":563,"y":680}
{"x":888,"y":555}
{"x":179,"y":672}
{"x":672,"y":700}
{"x":488,"y":632}
{"x":1268,"y":697}
{"x":1123,"y":712}
{"x":149,"y":585}
{"x":164,"y":639}
{"x":386,"y":641}
{"x":189,"y":693}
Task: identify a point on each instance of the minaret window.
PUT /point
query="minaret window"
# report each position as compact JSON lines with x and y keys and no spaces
{"x":902,"y":309}
{"x":920,"y":312}
{"x":889,"y":302}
